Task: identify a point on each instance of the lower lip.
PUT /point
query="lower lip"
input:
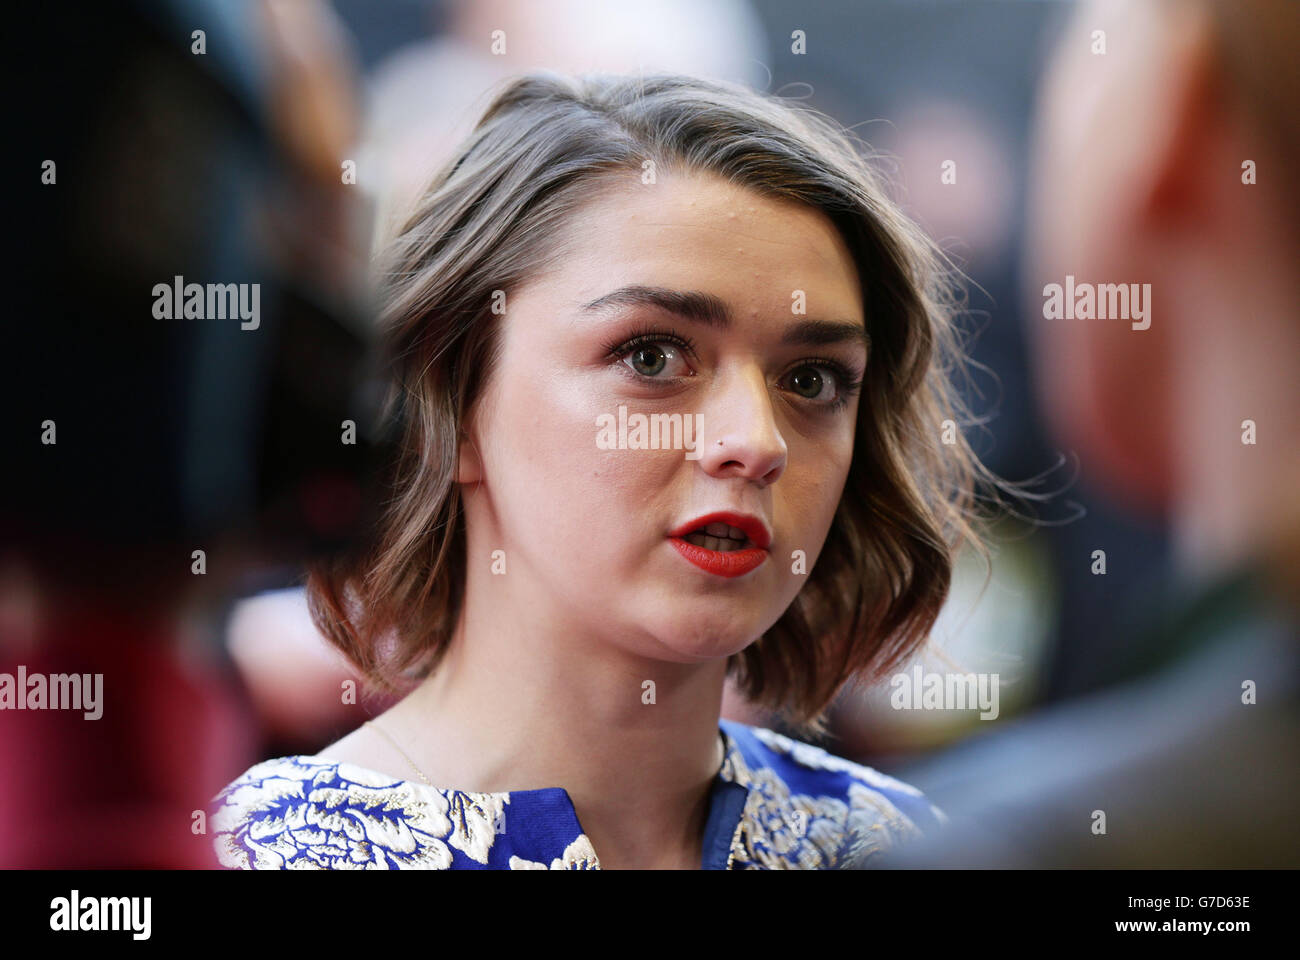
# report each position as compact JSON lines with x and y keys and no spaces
{"x":724,"y":563}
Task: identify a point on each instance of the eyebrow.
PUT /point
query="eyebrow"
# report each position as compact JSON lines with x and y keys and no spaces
{"x":708,"y":310}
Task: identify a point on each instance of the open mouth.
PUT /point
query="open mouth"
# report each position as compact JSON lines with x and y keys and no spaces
{"x":713,"y":543}
{"x":719,"y":536}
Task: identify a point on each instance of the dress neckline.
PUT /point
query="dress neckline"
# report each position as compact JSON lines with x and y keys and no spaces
{"x":731,"y":770}
{"x":728,"y":800}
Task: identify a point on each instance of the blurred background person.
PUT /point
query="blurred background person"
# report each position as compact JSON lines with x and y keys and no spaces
{"x":1167,"y":160}
{"x":161,"y":459}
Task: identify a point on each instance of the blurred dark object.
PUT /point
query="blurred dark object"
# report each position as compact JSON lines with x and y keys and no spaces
{"x":179,"y":430}
{"x":215,"y":158}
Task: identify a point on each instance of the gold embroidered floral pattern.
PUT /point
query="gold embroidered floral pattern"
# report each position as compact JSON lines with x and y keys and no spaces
{"x":477,"y":819}
{"x":577,"y":856}
{"x":288,"y":814}
{"x":834,"y":831}
{"x":802,"y":809}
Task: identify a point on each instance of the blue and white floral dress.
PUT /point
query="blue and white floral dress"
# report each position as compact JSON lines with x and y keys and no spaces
{"x":776,"y":804}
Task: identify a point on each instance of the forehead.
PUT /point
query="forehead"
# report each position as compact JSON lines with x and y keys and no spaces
{"x":698,"y":232}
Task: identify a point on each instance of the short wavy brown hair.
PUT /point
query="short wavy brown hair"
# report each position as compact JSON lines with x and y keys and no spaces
{"x":489,"y":221}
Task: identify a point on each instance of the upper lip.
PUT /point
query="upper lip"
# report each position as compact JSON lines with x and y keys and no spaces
{"x":754,"y":528}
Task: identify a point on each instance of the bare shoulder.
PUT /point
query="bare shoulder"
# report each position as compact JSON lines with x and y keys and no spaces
{"x":405,"y":743}
{"x":366,"y":747}
{"x":359,"y":747}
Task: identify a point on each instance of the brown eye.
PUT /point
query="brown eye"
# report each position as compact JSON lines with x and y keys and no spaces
{"x":808,"y":381}
{"x":648,"y":361}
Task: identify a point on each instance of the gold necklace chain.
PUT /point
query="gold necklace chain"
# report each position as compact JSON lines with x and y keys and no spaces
{"x":371,"y":723}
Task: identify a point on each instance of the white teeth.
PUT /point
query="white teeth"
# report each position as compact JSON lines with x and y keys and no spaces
{"x":713,"y":543}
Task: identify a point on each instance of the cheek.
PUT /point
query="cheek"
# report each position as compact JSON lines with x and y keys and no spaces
{"x":550,"y":478}
{"x":811,"y":488}
{"x":542,"y":452}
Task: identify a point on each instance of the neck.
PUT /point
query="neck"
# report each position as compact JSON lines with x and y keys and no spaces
{"x":525,"y":699}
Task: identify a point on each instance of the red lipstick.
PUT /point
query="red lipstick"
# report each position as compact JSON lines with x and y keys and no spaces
{"x":725,"y":563}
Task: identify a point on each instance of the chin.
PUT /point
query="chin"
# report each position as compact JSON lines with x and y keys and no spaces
{"x":714,"y":639}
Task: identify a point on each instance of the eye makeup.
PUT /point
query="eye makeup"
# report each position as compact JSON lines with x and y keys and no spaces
{"x":847,"y":381}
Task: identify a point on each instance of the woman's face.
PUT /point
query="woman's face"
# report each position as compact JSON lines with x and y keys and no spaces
{"x":583,"y":516}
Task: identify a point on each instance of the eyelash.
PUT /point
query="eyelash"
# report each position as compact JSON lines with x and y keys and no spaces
{"x":846,"y":381}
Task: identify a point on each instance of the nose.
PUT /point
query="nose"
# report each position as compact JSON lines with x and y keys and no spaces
{"x":740,"y":436}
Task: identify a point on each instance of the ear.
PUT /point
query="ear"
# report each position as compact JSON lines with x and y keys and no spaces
{"x":1186,"y":129}
{"x":469,"y":465}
